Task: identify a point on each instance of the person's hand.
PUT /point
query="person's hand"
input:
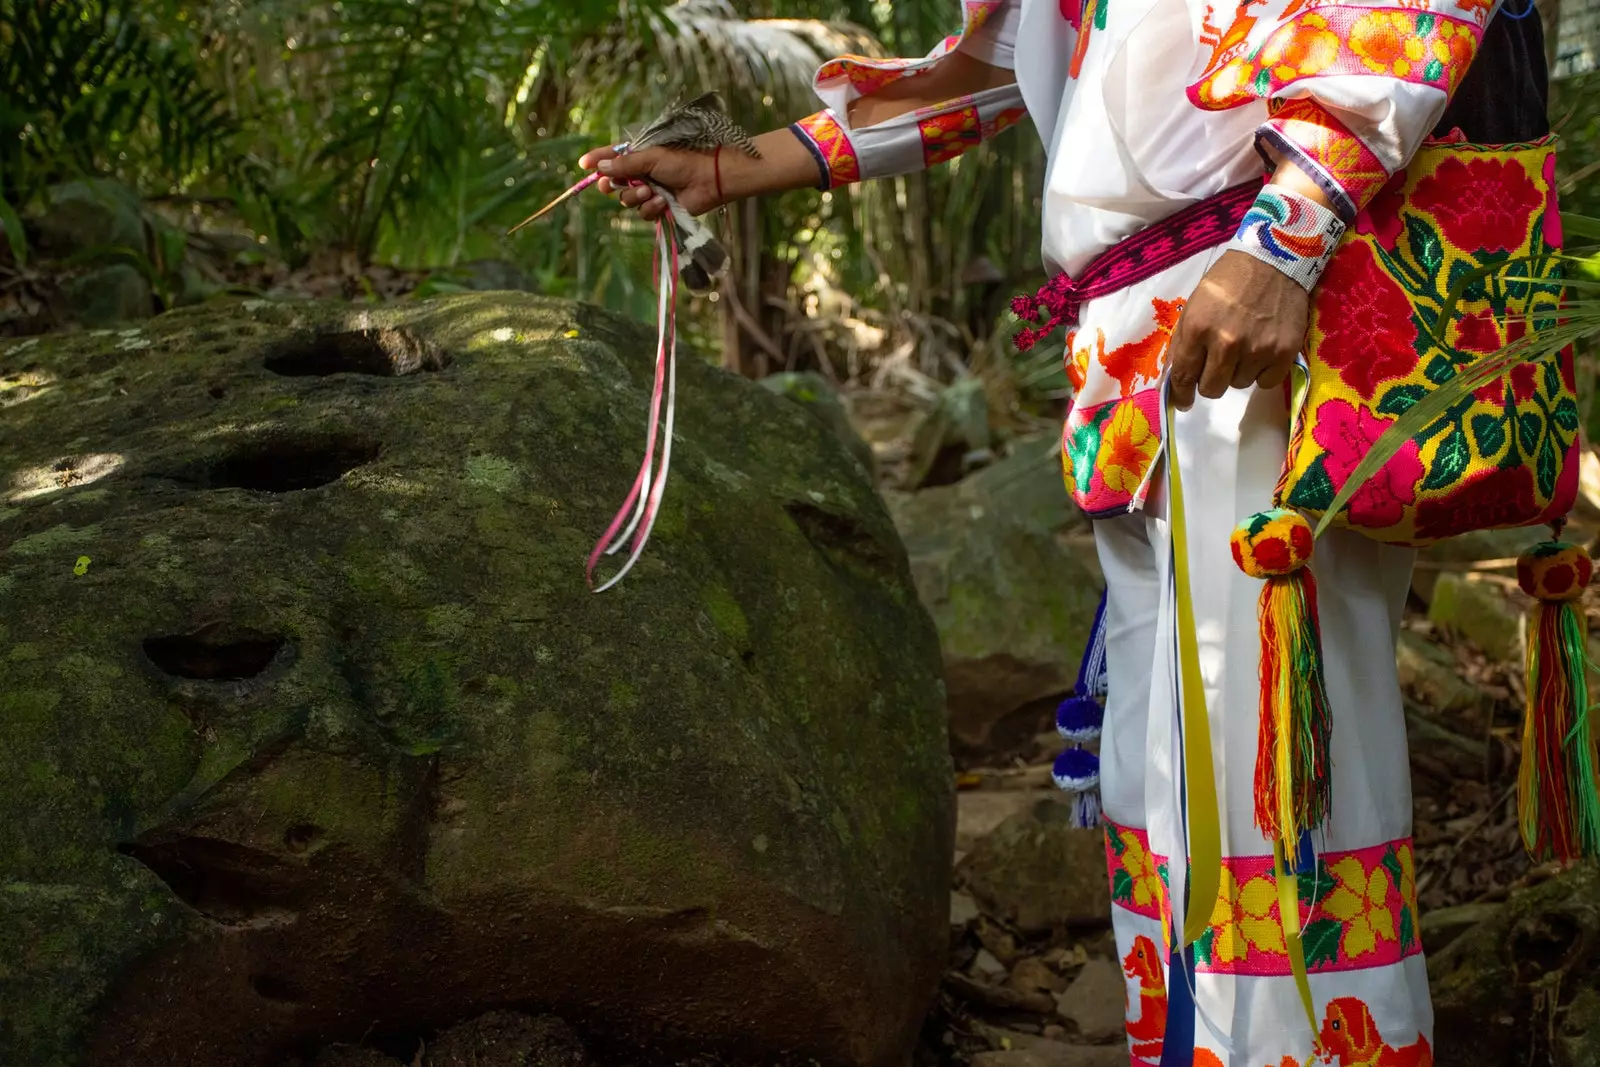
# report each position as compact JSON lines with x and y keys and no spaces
{"x":690,"y":176}
{"x":1243,"y":327}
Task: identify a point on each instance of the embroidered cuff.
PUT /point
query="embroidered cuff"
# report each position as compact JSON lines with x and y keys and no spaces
{"x":1292,"y":232}
{"x":1309,"y":135}
{"x":830,"y":146}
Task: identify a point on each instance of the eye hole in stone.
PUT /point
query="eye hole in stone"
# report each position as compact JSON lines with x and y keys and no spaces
{"x":287,"y":465}
{"x":388,"y":353}
{"x":216,"y":653}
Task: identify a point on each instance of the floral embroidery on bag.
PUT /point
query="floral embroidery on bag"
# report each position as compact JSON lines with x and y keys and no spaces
{"x":1500,"y":457}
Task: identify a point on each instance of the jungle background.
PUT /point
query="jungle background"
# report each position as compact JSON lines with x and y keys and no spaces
{"x":162,"y":155}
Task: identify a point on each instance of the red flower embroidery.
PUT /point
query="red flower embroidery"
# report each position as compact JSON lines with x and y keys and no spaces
{"x":1480,"y":332}
{"x":1381,"y":219}
{"x":1481,"y":205}
{"x":1552,"y":204}
{"x":1500,"y":496}
{"x":1345,"y":433}
{"x":1368,"y":334}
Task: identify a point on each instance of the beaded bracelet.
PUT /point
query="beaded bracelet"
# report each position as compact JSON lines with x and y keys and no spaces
{"x":1292,"y":232}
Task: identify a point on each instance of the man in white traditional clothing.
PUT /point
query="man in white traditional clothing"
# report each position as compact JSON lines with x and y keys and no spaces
{"x":1160,"y":118}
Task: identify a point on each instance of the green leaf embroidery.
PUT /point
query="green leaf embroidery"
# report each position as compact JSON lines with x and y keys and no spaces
{"x":1398,"y":401}
{"x":1450,"y":462}
{"x":1205,"y":946}
{"x":1565,"y":415}
{"x":1425,"y":23}
{"x":1321,"y":941}
{"x":1314,"y":884}
{"x":1552,"y":378}
{"x":1530,"y":427}
{"x":1475,"y":290}
{"x":1314,"y":491}
{"x":1439,"y":370}
{"x":1121,"y":886}
{"x":1433,"y":71}
{"x":1391,"y":863}
{"x":1548,"y":467}
{"x":1426,"y":248}
{"x":1115,"y":843}
{"x":1490,"y":433}
{"x":1408,"y":932}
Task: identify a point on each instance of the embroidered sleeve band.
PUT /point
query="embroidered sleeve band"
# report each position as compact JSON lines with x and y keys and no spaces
{"x":1292,"y":232}
{"x":910,"y":142}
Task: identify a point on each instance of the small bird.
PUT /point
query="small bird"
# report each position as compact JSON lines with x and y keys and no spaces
{"x":700,"y":125}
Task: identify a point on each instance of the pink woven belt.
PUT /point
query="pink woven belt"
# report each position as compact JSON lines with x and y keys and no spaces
{"x":1211,"y":222}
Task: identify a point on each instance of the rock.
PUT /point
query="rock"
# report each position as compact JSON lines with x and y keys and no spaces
{"x":1014,"y":609}
{"x":1432,"y":675}
{"x":1039,"y":872}
{"x":106,"y":296}
{"x":1096,"y":1002}
{"x":818,"y":396}
{"x":80,"y":216}
{"x":1478,"y":611}
{"x":1027,"y":487}
{"x":985,"y":965}
{"x":1055,"y":1055}
{"x":953,"y":436}
{"x":505,"y":1039}
{"x":963,"y":909}
{"x":312,"y":726}
{"x":1493,"y":986}
{"x":980,"y":811}
{"x":1033,"y":975}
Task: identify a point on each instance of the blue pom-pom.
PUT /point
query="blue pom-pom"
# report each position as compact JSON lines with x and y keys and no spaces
{"x":1077,"y":770}
{"x":1079,"y":718}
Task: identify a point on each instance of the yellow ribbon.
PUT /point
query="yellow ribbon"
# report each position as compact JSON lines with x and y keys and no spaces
{"x":1199,"y":777}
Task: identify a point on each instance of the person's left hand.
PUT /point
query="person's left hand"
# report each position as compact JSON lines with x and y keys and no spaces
{"x":1243,"y":327}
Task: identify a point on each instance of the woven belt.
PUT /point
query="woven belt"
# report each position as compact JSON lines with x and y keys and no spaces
{"x":1206,"y":224}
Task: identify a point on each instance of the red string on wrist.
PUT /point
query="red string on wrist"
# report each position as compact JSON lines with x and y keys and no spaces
{"x":716,"y":170}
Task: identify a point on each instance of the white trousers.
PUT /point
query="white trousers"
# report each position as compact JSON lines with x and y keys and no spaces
{"x":1358,"y":904}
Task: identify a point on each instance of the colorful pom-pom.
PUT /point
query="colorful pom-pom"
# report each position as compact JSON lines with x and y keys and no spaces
{"x":1079,"y":719}
{"x":1270,"y":544}
{"x":1555,"y":570}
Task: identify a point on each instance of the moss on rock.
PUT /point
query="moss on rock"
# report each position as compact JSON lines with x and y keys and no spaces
{"x":332,"y":731}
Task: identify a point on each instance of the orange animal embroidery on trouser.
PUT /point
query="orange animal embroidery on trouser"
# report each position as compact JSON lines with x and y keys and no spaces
{"x":1143,"y":962}
{"x":1350,"y":1037}
{"x":1139,"y":362}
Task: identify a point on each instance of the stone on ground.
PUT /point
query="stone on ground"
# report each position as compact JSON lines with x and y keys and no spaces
{"x":1039,"y":872}
{"x":1096,"y":1001}
{"x":1013,"y":606}
{"x":313,"y":729}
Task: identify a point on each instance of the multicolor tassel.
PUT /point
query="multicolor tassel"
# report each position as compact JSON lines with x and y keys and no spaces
{"x":1079,"y":719}
{"x":1558,"y":804}
{"x":1292,"y":783}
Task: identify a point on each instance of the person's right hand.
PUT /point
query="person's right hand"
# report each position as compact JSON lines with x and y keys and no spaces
{"x":690,"y":176}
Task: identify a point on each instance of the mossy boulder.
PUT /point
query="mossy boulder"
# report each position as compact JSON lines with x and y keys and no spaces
{"x":818,"y":396}
{"x":1524,"y":985}
{"x":314,"y":732}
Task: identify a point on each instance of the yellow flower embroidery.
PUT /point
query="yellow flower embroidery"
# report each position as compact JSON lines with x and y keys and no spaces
{"x":1243,"y":919}
{"x":1360,"y":900}
{"x":1301,"y":49}
{"x":1408,"y":880}
{"x":1127,"y":450}
{"x":1387,"y":42}
{"x":1141,"y":867}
